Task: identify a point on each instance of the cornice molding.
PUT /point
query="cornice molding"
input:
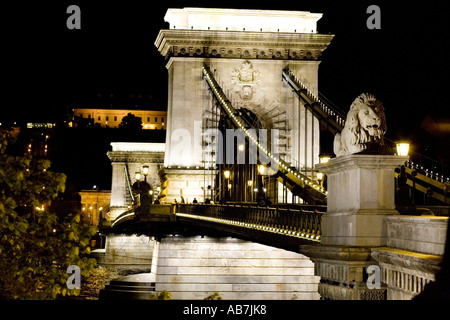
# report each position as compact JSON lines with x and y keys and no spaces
{"x":136,"y":157}
{"x":241,"y":44}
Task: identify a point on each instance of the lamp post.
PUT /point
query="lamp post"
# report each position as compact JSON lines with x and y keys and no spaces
{"x":226,"y":174}
{"x":250,"y":193}
{"x":261,"y":198}
{"x":320,"y":177}
{"x":137,"y":188}
{"x":145,"y":172}
{"x":405,"y":201}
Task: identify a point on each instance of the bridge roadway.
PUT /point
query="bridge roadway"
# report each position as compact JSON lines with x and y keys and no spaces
{"x":282,"y":226}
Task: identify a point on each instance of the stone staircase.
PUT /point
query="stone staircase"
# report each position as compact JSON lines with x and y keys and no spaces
{"x":139,"y":286}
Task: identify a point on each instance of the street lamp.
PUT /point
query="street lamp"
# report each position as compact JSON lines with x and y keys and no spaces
{"x":145,"y":172}
{"x":226,"y":174}
{"x":320,"y":178}
{"x":402,"y":148}
{"x":137,"y":176}
{"x":250,"y":193}
{"x":261,"y":197}
{"x":261,"y":169}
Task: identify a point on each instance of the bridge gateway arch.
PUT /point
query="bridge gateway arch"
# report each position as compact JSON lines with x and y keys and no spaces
{"x":244,"y":52}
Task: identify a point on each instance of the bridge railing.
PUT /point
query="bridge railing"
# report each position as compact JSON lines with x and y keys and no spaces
{"x":299,"y":223}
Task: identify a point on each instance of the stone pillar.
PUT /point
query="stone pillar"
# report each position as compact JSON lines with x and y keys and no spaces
{"x":118,"y":201}
{"x":133,"y":155}
{"x":361,"y":191}
{"x":189,"y":183}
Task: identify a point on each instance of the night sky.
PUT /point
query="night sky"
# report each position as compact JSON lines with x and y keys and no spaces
{"x":48,"y":67}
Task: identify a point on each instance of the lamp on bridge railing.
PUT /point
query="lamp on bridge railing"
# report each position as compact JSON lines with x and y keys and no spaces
{"x":320,"y":177}
{"x":226,"y":174}
{"x":402,"y":148}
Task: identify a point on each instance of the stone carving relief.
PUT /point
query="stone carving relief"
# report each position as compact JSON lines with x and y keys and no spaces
{"x":364,"y":129}
{"x":372,"y":294}
{"x":249,"y":92}
{"x":246,"y":85}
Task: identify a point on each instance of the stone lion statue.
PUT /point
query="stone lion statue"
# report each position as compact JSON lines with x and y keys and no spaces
{"x":364,"y":129}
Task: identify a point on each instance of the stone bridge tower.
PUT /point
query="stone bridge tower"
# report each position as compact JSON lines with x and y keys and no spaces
{"x":247,"y":50}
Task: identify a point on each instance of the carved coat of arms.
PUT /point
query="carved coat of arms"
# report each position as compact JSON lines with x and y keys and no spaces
{"x":245,"y":75}
{"x":244,"y":81}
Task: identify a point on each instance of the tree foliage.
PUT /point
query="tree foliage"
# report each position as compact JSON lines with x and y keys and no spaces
{"x":214,"y":296}
{"x":36,"y":246}
{"x":163,"y":295}
{"x":131,"y":122}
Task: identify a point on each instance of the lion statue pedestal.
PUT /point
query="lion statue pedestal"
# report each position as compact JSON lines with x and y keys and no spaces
{"x":361,"y":192}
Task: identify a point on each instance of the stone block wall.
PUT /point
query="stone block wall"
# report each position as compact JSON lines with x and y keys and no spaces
{"x":128,"y":249}
{"x":195,"y":267}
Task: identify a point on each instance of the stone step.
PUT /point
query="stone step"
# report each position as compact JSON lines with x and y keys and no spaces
{"x":237,"y":287}
{"x":236,"y":254}
{"x":195,"y":267}
{"x":236,"y":271}
{"x":129,"y":288}
{"x":170,"y":278}
{"x":271,"y":295}
{"x":125,"y":295}
{"x":132,"y":287}
{"x":119,"y":283}
{"x":202,"y":261}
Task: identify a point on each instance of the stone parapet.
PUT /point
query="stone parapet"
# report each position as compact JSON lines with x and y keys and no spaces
{"x":425,"y":234}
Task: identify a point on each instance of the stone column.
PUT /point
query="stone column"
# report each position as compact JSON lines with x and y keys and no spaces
{"x":118,"y":191}
{"x":361,"y":193}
